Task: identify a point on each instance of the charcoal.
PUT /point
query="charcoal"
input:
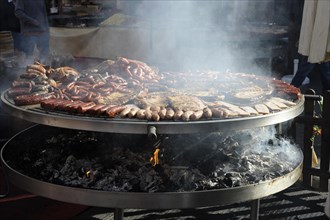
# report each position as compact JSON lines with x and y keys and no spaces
{"x":120,"y":162}
{"x":233,"y":179}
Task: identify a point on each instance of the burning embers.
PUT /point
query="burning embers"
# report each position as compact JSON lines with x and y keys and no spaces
{"x":120,"y":162}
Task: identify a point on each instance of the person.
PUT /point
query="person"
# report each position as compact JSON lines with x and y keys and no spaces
{"x":305,"y":68}
{"x":9,"y":22}
{"x":33,"y":19}
{"x":314,"y":43}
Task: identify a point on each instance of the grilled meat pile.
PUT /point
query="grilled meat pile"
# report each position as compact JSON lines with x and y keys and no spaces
{"x":129,"y":88}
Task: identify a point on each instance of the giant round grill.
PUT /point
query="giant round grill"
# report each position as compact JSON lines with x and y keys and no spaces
{"x":149,"y":133}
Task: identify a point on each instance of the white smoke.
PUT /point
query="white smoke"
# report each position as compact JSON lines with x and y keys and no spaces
{"x":195,"y":34}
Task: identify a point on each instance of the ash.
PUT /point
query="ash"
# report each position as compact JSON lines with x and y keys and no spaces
{"x":120,"y":163}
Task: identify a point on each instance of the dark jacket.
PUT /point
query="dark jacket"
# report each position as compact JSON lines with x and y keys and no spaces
{"x":32,"y":15}
{"x":8,"y":20}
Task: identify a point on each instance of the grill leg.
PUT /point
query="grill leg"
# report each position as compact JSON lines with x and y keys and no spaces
{"x":255,"y":205}
{"x":118,"y":214}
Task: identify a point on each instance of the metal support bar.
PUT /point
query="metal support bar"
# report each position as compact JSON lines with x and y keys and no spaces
{"x":308,"y":133}
{"x":325,"y":143}
{"x":118,"y":214}
{"x":152,"y":133}
{"x":255,"y":205}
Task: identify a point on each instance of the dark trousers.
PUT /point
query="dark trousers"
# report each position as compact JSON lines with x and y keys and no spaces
{"x":41,"y":41}
{"x":305,"y":68}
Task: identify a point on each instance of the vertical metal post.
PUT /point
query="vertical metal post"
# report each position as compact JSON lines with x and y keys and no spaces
{"x":255,"y":205}
{"x":325,"y":142}
{"x":118,"y":214}
{"x":308,"y":133}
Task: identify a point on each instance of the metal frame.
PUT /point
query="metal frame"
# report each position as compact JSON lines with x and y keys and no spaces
{"x":161,"y":200}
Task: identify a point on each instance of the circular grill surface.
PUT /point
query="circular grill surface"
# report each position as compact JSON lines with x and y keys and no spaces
{"x":134,"y":126}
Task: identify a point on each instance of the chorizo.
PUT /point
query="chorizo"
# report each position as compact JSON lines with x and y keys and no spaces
{"x":85,"y":106}
{"x":94,"y":109}
{"x":32,"y":99}
{"x":13,"y":92}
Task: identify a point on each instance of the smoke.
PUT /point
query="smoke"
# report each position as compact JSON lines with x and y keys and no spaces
{"x":266,"y":140}
{"x":193,"y":34}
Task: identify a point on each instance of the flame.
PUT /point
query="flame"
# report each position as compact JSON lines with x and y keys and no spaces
{"x":88,"y":173}
{"x":154,"y":160}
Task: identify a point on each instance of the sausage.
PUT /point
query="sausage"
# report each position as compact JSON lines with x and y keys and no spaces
{"x":132,"y":112}
{"x":148,"y":114}
{"x":124,"y":60}
{"x":34,"y":72}
{"x":36,"y":67}
{"x":61,"y":104}
{"x":207,"y":113}
{"x":81,"y":83}
{"x":113,"y":111}
{"x":71,"y":85}
{"x":58,"y":104}
{"x":196,"y":115}
{"x":178,"y":114}
{"x":77,"y":97}
{"x":13,"y":92}
{"x":127,"y":70}
{"x":22,"y":83}
{"x":32,"y":99}
{"x":84,"y":107}
{"x":186,"y":115}
{"x":169,"y":114}
{"x":71,"y":107}
{"x":28,"y":75}
{"x":104,"y":109}
{"x":141,"y":114}
{"x":52,"y":103}
{"x":162,"y":113}
{"x":94,"y":109}
{"x":155,"y":116}
{"x":125,"y":112}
